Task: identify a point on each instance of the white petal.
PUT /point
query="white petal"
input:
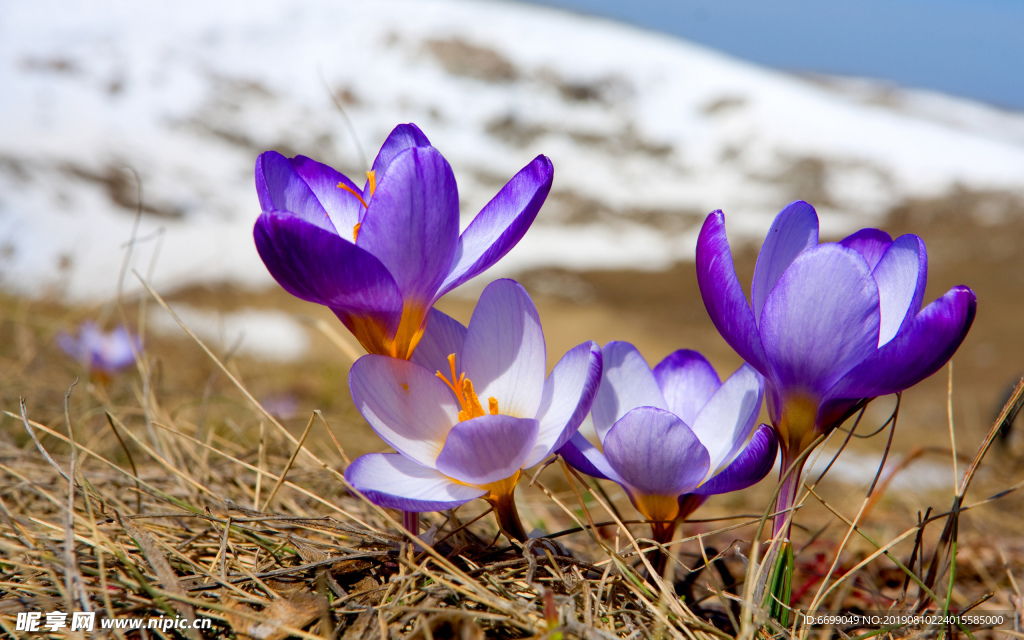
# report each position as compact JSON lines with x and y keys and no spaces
{"x":394,"y":481}
{"x":408,"y":406}
{"x":726,"y":421}
{"x":504,"y":353}
{"x":568,"y":394}
{"x":626,"y":383}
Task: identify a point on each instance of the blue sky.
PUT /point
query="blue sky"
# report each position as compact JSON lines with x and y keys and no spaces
{"x":971,"y":48}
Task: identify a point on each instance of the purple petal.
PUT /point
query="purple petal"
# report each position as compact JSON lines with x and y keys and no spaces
{"x":116,"y":352}
{"x":443,"y":336}
{"x":585,"y":457}
{"x":870,"y":243}
{"x":914,"y":354}
{"x":280,"y":188}
{"x":655,"y":453}
{"x":412,"y":223}
{"x":901,"y":275}
{"x":407,"y":405}
{"x":723,"y":295}
{"x":821,"y":319}
{"x":487,"y":449}
{"x":568,"y":393}
{"x":317,"y":265}
{"x":687,"y":380}
{"x":504,"y":353}
{"x":626,"y":383}
{"x":749,"y":467}
{"x":402,"y":137}
{"x":725,"y":422}
{"x":343,"y":208}
{"x":794,"y":230}
{"x":396,"y":482}
{"x":502,"y":223}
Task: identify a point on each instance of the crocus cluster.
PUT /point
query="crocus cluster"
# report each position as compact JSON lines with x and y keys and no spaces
{"x":468,"y":408}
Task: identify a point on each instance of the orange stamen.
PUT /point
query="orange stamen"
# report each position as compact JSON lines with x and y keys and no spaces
{"x":355,"y":231}
{"x":462,"y":387}
{"x":371,"y":176}
{"x":353,"y":193}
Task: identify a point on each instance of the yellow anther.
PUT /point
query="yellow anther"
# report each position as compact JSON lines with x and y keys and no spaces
{"x":355,"y":231}
{"x":371,"y":176}
{"x":462,"y":387}
{"x":471,"y":404}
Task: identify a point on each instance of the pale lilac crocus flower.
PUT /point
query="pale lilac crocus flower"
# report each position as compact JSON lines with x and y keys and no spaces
{"x":830,"y":326}
{"x":381,"y":255}
{"x":101,"y":353}
{"x":674,"y":435}
{"x":471,"y":410}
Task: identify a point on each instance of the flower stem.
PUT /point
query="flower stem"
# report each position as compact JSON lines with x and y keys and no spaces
{"x":411,"y":521}
{"x":504,"y":504}
{"x":791,"y":480}
{"x":661,"y":532}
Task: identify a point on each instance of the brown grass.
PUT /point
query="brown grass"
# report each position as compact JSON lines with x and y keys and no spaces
{"x":169,"y":491}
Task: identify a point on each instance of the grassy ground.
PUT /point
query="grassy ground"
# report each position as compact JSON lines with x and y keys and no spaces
{"x":189,"y":500}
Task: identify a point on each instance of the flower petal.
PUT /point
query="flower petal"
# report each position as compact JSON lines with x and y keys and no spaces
{"x":280,"y":188}
{"x":316,"y":265}
{"x":341,"y":206}
{"x":396,"y":482}
{"x":626,"y":383}
{"x":687,"y":380}
{"x":504,"y":353}
{"x":487,"y":449}
{"x":501,"y":223}
{"x":723,"y":295}
{"x":725,"y":422}
{"x":751,"y":465}
{"x":568,"y":394}
{"x":402,"y":137}
{"x":443,"y":336}
{"x":412,"y":223}
{"x":901,"y":275}
{"x":655,"y":453}
{"x":794,"y":230}
{"x":821,"y":319}
{"x":585,"y":457}
{"x":407,"y":405}
{"x":915,"y":353}
{"x":870,"y":243}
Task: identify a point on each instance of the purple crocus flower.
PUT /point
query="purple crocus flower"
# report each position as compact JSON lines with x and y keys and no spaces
{"x":471,"y":410}
{"x":99,"y":352}
{"x":674,"y":435}
{"x":830,"y":326}
{"x":380,"y":256}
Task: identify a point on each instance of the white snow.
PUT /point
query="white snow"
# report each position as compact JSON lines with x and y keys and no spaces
{"x":269,"y":335}
{"x":636,"y":123}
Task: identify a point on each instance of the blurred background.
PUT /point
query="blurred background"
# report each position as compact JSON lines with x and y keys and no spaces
{"x":904,"y":116}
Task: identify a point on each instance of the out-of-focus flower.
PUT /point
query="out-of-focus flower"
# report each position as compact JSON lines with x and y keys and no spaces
{"x":104,"y":353}
{"x":471,"y":410}
{"x":381,"y":255}
{"x":675,"y":435}
{"x":830,"y":326}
